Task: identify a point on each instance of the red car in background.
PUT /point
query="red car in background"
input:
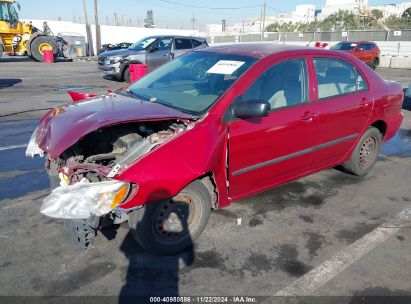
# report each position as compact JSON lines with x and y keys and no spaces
{"x":164,"y":152}
{"x":366,"y":51}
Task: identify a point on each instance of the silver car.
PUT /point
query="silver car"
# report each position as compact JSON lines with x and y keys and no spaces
{"x":153,"y":51}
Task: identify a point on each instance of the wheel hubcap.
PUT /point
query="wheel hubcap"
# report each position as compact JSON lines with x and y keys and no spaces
{"x":45,"y":47}
{"x":174,"y":219}
{"x":368,"y":152}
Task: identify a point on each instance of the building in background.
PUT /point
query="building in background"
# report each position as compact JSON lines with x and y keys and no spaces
{"x":149,"y":21}
{"x":391,"y":9}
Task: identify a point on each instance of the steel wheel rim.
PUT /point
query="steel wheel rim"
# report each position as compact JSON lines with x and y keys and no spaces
{"x":368,"y":152}
{"x":175,"y":218}
{"x":45,"y":47}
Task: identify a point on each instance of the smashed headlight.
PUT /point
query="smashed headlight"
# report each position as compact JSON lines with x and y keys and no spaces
{"x":81,"y":200}
{"x":33,"y":148}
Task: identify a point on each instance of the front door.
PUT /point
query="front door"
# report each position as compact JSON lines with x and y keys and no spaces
{"x":267,"y":151}
{"x":159,"y":53}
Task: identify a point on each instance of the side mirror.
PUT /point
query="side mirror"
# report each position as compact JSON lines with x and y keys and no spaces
{"x":152,"y":49}
{"x":251,"y":108}
{"x":360,"y":49}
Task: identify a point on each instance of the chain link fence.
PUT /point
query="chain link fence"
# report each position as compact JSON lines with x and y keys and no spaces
{"x":394,"y":43}
{"x":394,"y":35}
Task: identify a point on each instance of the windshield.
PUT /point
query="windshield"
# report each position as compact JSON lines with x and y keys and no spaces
{"x":192,"y":83}
{"x":8,"y":12}
{"x":142,"y":44}
{"x":344,"y":46}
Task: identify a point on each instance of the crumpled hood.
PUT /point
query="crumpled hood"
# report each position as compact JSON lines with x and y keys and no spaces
{"x":64,"y":125}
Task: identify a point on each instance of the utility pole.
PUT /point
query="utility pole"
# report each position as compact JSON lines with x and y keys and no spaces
{"x":115,"y":19}
{"x":88,"y":31}
{"x":74,"y":17}
{"x":107,"y":20}
{"x":193,"y":20}
{"x":263,"y":21}
{"x":98,"y":34}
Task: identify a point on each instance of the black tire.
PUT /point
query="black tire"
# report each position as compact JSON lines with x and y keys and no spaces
{"x":126,"y":75}
{"x":375,"y":62}
{"x":170,"y":226}
{"x":365,"y":153}
{"x":38,"y":43}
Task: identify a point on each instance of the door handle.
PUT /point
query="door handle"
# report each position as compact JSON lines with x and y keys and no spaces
{"x":365,"y":102}
{"x":308,"y":116}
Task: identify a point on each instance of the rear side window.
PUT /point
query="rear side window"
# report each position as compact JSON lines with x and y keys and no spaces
{"x":369,"y":46}
{"x":182,"y":44}
{"x":337,"y":77}
{"x":196,"y":43}
{"x":282,"y":85}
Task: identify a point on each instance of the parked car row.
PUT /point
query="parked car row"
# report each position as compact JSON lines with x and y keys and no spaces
{"x":112,"y":47}
{"x":153,"y":51}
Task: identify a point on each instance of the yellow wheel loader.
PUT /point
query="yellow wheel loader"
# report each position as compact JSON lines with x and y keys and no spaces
{"x":21,"y":38}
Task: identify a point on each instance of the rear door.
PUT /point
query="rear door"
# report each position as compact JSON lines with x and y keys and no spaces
{"x":159,"y":52}
{"x":344,"y":107}
{"x":270,"y":150}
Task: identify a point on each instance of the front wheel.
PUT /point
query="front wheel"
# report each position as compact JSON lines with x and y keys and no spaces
{"x":170,"y":226}
{"x":365,"y":153}
{"x":41,"y":44}
{"x":127,"y":75}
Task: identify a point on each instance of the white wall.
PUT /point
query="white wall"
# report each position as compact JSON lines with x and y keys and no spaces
{"x":110,"y":34}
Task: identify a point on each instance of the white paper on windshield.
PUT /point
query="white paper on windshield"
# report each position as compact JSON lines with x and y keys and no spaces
{"x":226,"y":67}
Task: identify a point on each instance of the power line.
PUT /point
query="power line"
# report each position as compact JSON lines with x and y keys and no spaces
{"x":207,"y":7}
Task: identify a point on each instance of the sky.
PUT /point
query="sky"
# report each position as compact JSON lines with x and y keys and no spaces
{"x":167,"y":14}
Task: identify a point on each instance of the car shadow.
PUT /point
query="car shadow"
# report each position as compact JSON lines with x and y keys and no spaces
{"x":6,"y":83}
{"x":151,"y":275}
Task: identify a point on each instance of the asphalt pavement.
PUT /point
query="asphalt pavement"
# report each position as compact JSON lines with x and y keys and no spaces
{"x":326,"y":235}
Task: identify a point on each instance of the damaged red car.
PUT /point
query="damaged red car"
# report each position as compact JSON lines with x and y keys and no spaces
{"x":166,"y":151}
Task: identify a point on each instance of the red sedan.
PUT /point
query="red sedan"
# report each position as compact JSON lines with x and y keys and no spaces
{"x":171,"y":147}
{"x":364,"y":50}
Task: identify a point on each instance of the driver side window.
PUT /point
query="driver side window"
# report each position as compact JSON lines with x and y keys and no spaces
{"x":162,"y":44}
{"x":282,"y":85}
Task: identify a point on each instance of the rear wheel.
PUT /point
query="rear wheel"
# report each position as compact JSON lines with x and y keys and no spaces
{"x":375,"y":62}
{"x":39,"y":45}
{"x":172,"y":225}
{"x":365,"y":153}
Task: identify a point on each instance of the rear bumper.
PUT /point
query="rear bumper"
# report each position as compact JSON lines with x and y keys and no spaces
{"x":393,"y":126}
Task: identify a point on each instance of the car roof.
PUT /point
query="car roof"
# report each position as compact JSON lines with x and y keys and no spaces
{"x":358,"y":42}
{"x":174,"y":36}
{"x":261,"y":50}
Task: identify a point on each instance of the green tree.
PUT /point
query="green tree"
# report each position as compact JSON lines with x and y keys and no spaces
{"x":377,"y":13}
{"x":407,"y":14}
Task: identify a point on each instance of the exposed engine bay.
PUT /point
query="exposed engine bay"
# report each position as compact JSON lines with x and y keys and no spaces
{"x":100,"y":154}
